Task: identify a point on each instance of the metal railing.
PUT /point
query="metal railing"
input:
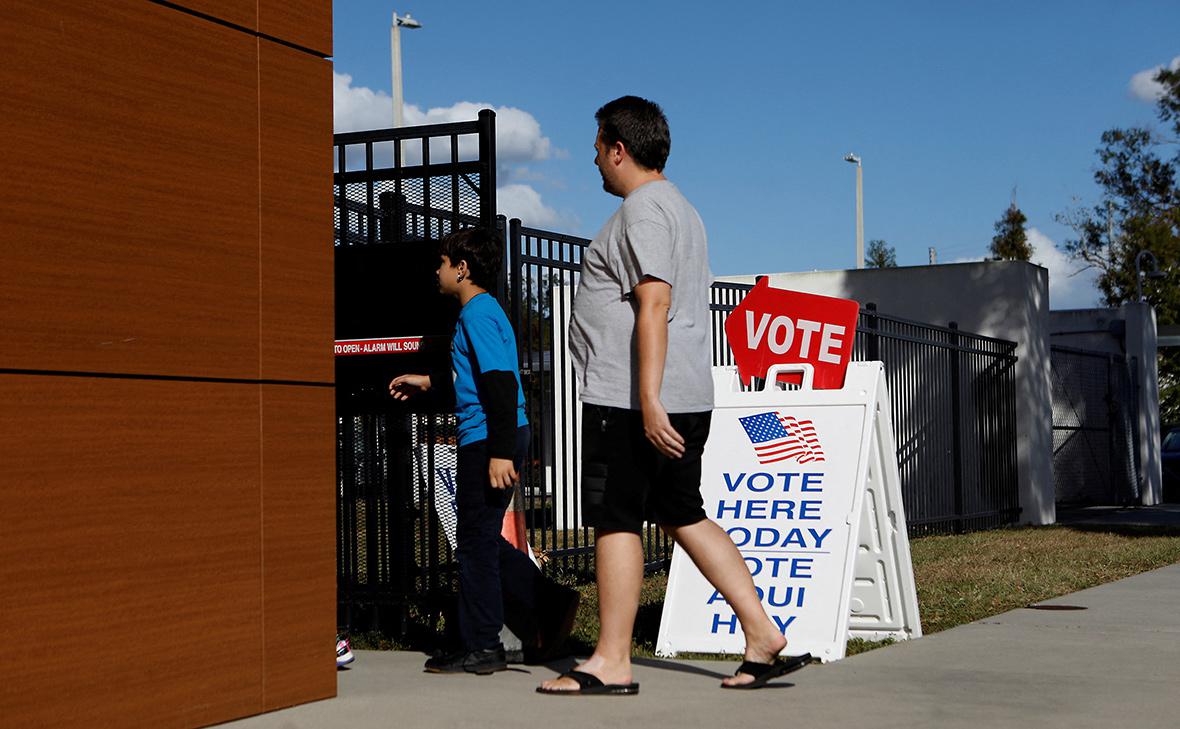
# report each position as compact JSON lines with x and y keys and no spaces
{"x":953,"y":398}
{"x":414,"y":183}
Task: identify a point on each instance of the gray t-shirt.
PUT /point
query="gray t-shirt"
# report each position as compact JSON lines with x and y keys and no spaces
{"x":655,"y":232}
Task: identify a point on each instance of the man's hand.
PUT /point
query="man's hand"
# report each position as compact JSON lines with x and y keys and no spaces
{"x":659,"y":430}
{"x":403,"y":387}
{"x":502,"y":473}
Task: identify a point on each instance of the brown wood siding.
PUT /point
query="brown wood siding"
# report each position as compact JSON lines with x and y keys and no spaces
{"x":130,"y":188}
{"x":238,"y":12}
{"x":131,"y":557}
{"x":306,"y":23}
{"x":296,"y":143}
{"x":168,"y":551}
{"x":299,"y":544}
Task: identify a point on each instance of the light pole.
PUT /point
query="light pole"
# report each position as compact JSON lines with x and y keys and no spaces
{"x":395,"y":52}
{"x":860,"y":219}
{"x":1154,"y":273}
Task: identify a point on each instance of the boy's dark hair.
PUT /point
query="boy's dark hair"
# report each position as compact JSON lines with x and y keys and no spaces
{"x":642,"y":128}
{"x":481,"y":248}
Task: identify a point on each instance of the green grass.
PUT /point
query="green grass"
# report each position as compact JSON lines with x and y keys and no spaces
{"x":960,"y":579}
{"x":968,"y":577}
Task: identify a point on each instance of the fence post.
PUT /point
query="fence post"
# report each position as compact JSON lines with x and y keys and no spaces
{"x":369,"y":217}
{"x":957,"y":426}
{"x":506,"y":277}
{"x":391,"y":217}
{"x":487,"y":179}
{"x":872,"y":339}
{"x":372,"y":490}
{"x":1131,"y":417}
{"x":513,"y":243}
{"x":487,"y":168}
{"x":1117,"y":497}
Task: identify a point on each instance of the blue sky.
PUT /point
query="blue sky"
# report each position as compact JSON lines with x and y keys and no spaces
{"x":951,"y":105}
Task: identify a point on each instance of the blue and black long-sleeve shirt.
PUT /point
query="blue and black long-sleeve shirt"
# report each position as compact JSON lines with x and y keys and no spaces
{"x":489,"y":400}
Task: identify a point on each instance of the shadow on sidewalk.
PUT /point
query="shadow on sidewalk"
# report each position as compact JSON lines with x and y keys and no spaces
{"x":1131,"y":521}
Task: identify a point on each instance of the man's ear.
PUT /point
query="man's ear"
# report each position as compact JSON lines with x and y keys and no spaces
{"x":619,"y":150}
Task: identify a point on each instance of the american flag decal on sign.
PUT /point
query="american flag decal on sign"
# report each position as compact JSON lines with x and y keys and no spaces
{"x":777,"y":437}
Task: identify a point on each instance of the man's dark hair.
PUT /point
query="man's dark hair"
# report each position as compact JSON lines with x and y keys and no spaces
{"x":642,"y":128}
{"x":481,"y":248}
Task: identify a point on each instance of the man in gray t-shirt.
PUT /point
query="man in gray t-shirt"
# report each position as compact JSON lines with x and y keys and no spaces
{"x":656,"y":234}
{"x":640,"y":339}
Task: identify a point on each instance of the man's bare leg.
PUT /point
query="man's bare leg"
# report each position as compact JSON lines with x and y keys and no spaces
{"x":721,"y":563}
{"x":618,"y":561}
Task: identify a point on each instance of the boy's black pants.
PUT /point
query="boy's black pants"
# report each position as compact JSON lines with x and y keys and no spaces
{"x":491,"y":570}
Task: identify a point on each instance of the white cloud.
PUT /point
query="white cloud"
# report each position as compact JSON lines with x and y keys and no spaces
{"x":1143,"y":85}
{"x":522,"y":201}
{"x":1070,"y":287}
{"x":356,"y":107}
{"x":518,"y":140}
{"x":525,"y":174}
{"x":518,"y":133}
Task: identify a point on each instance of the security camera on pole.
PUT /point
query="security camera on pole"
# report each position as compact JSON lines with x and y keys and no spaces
{"x":395,"y":52}
{"x":860,"y":219}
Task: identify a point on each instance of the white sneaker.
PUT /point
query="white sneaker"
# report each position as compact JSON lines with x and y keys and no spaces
{"x":343,"y":652}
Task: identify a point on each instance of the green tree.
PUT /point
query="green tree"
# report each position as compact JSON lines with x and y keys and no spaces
{"x":1139,"y":210}
{"x":1010,"y":242}
{"x":880,"y":255}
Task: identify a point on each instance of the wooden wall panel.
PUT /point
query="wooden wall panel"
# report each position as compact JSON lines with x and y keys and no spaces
{"x":131,"y":552}
{"x":238,"y":12}
{"x":129,"y":229}
{"x":299,"y":543}
{"x":306,"y":23}
{"x":296,"y":152}
{"x":168,"y":547}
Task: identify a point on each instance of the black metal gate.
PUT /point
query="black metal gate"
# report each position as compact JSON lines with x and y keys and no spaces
{"x":397,"y":191}
{"x":1095,"y":438}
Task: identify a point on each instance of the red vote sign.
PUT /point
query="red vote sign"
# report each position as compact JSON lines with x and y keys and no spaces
{"x":777,"y":326}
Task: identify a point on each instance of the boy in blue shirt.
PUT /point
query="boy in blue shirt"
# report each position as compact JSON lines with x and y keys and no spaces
{"x":493,"y":442}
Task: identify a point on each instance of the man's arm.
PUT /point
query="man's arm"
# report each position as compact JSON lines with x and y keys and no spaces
{"x":498,"y":398}
{"x":651,"y":327}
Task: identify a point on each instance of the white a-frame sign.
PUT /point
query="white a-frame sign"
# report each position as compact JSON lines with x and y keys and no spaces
{"x":806,"y":484}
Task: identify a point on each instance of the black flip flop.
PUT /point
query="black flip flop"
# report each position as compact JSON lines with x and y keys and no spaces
{"x":763,"y":672}
{"x":591,"y":685}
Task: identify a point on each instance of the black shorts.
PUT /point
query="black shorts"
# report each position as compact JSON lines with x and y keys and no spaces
{"x":626,"y":481}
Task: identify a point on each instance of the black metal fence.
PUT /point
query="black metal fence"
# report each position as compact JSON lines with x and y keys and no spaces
{"x":953,"y":397}
{"x":952,"y":392}
{"x":414,"y":183}
{"x":397,"y":191}
{"x":1095,"y":438}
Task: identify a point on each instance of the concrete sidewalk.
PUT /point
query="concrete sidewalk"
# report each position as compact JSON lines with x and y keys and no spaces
{"x":1114,"y":663}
